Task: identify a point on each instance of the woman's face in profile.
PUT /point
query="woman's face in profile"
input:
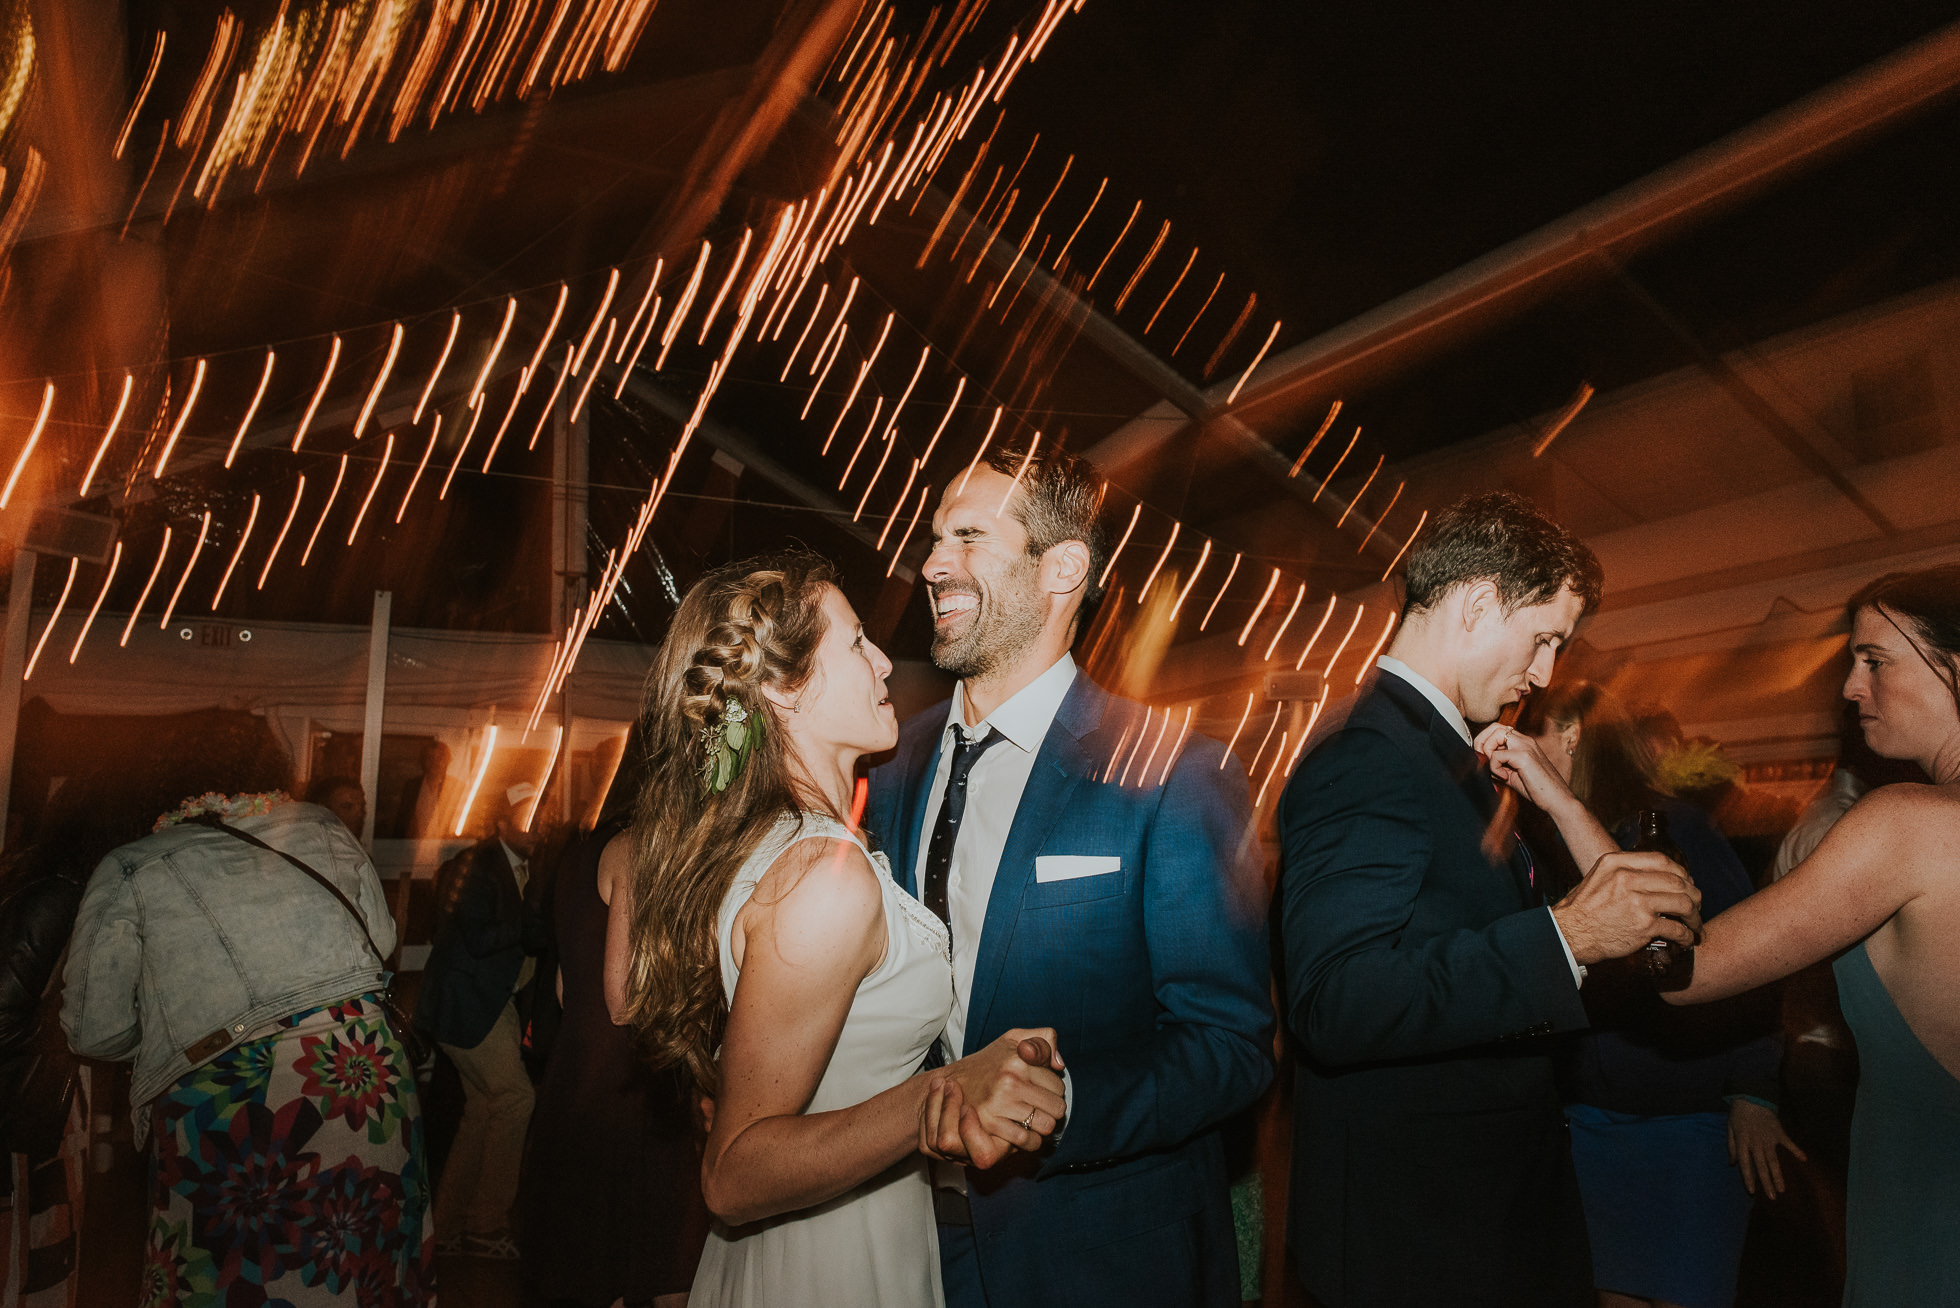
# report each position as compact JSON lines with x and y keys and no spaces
{"x":845,"y":704}
{"x":1906,"y":710}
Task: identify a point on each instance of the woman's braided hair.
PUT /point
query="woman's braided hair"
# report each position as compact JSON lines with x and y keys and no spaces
{"x":742,"y":627}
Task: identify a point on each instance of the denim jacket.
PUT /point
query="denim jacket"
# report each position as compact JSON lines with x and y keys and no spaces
{"x":190,"y":941}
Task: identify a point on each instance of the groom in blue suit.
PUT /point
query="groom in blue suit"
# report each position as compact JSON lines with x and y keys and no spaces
{"x":1098,"y":870}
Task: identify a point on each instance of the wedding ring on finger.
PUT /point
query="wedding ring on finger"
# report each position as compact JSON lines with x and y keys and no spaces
{"x":1027,"y":1123}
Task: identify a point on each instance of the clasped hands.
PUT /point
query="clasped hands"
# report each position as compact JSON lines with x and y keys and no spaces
{"x":1625,"y":899}
{"x":1005,"y":1097}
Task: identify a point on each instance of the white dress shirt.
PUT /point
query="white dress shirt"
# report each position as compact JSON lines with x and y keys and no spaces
{"x":1450,"y":713}
{"x":993,"y":795}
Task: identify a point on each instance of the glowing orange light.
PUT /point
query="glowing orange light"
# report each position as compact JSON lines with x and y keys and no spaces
{"x":1342,"y":520}
{"x":455,"y":321}
{"x":1260,"y":607}
{"x":1137,"y":748}
{"x":585,"y":389}
{"x":797,"y":349}
{"x":1300,"y":662}
{"x":426,"y":452}
{"x":1405,"y":545}
{"x":1381,"y":517}
{"x":141,"y":599}
{"x":1158,"y":566}
{"x":516,"y":397}
{"x":1223,"y":586}
{"x":497,"y":348}
{"x":1380,"y":640}
{"x":1161,"y":304}
{"x":277,"y":541}
{"x":1127,"y":223}
{"x":714,"y":306}
{"x":551,"y":401}
{"x":959,"y":389}
{"x":476,"y":415}
{"x":142,"y":94}
{"x":59,"y":605}
{"x":1177,"y":749}
{"x":33,"y":439}
{"x":1259,"y":753}
{"x":632,"y":325}
{"x":557,"y":311}
{"x":1143,"y":773}
{"x":1231,"y":744}
{"x":238,"y":553}
{"x":319,"y":393}
{"x":1279,"y":756}
{"x":681,"y":306}
{"x":115,"y":560}
{"x":876,"y":473}
{"x":904,"y":494}
{"x":1246,"y":376}
{"x":544,"y":777}
{"x":109,"y":434}
{"x":1337,"y":466}
{"x":1285,"y":622}
{"x":1203,"y":555}
{"x":877,"y":406}
{"x":1325,"y":424}
{"x":380,"y":471}
{"x":250,"y":410}
{"x":476,"y":783}
{"x":1199,"y":314}
{"x":898,"y":551}
{"x":1115,"y":554}
{"x":1137,"y":276}
{"x":202,"y":530}
{"x":1341,"y":648}
{"x":333,"y":493}
{"x":183,"y":416}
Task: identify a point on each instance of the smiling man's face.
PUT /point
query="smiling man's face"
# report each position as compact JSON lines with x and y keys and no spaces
{"x":987,"y":601}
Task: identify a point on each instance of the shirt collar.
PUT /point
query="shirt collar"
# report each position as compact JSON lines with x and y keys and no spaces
{"x":517,"y":860}
{"x":1427,"y":689}
{"x":1025,"y":718}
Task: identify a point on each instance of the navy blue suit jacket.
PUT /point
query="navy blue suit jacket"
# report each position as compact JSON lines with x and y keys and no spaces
{"x":479,"y":949}
{"x":1423,"y":983}
{"x":1155,"y":979}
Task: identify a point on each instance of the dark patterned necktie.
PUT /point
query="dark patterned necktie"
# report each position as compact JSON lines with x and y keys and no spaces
{"x":946,"y":831}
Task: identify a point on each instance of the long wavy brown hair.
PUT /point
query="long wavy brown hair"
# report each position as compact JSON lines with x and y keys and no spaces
{"x":742,"y":627}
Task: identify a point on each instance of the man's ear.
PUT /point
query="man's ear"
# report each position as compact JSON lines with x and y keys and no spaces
{"x":1481,"y":602}
{"x":1065,"y":567}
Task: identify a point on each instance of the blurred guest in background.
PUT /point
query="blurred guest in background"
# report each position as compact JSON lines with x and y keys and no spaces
{"x":1882,"y":887}
{"x":44,"y":1089}
{"x":342,"y":797}
{"x":482,"y":956}
{"x":283,"y":1114}
{"x":611,"y":1199}
{"x":1672,"y":1112}
{"x":420,"y":807}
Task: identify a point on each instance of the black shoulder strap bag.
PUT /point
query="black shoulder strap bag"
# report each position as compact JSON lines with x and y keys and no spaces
{"x":416,"y":1045}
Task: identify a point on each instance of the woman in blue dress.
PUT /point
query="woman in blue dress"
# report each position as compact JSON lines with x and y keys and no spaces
{"x":1883,"y":893}
{"x":1672,"y":1112}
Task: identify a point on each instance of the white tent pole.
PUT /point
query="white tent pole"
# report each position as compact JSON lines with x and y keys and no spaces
{"x":377,"y":686}
{"x":13,"y":662}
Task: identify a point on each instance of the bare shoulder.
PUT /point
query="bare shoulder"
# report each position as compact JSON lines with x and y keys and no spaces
{"x":615,"y":864}
{"x":1905,"y":811}
{"x":820,"y":899}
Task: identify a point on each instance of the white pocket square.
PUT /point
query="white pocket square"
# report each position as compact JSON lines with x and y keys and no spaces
{"x":1067,"y":867}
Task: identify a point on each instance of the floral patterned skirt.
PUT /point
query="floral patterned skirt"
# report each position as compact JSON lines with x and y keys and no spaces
{"x":289,"y":1171}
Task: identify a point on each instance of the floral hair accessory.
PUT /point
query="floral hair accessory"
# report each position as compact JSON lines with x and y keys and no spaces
{"x":727,"y":744}
{"x":228,"y":807}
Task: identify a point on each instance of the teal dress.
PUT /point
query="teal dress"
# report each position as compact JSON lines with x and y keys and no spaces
{"x":1902,"y":1230}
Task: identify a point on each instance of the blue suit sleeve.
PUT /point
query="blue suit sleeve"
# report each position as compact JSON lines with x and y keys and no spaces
{"x":477,"y":925}
{"x":1356,"y":847}
{"x":1205,"y":936}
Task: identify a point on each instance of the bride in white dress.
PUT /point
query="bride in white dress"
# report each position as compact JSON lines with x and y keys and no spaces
{"x":769,"y":952}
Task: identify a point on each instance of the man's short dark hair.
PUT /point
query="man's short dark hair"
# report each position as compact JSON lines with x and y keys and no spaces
{"x":1500,"y":537}
{"x":1060,"y":500}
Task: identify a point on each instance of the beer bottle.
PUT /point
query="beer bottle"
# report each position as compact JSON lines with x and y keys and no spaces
{"x":1667,"y":965}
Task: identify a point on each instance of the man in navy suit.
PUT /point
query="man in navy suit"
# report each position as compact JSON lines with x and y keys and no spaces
{"x":1097,"y":868}
{"x":1424,"y":974}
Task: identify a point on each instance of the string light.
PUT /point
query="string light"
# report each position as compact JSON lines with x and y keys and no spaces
{"x":1110,"y":566}
{"x":33,"y":439}
{"x":1231,"y":744}
{"x":284,"y":527}
{"x":1182,"y":595}
{"x":59,"y":605}
{"x":183,"y":416}
{"x":319,"y":393}
{"x":1300,"y":662}
{"x":1230,"y":573}
{"x":455,"y":321}
{"x":380,"y":471}
{"x":381,"y":377}
{"x":115,"y":561}
{"x":251,"y":410}
{"x":108,"y":434}
{"x":143,"y":598}
{"x":1405,"y":545}
{"x":1259,"y":608}
{"x":1158,"y":566}
{"x":250,"y":520}
{"x":332,"y":494}
{"x":203,"y":529}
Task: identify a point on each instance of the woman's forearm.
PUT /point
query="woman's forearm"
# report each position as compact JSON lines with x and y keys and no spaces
{"x":784,"y":1163}
{"x":1585,"y":838}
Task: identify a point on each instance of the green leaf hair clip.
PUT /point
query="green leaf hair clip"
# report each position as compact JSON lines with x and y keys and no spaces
{"x":727,"y":744}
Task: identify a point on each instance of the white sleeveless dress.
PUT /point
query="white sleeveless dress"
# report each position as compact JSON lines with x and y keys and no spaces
{"x":877,"y":1244}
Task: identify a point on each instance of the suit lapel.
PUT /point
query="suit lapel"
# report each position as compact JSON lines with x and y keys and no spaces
{"x":1059,"y":768}
{"x":920,"y":761}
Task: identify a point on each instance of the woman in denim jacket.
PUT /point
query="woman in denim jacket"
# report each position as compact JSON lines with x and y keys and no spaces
{"x":287,"y":1139}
